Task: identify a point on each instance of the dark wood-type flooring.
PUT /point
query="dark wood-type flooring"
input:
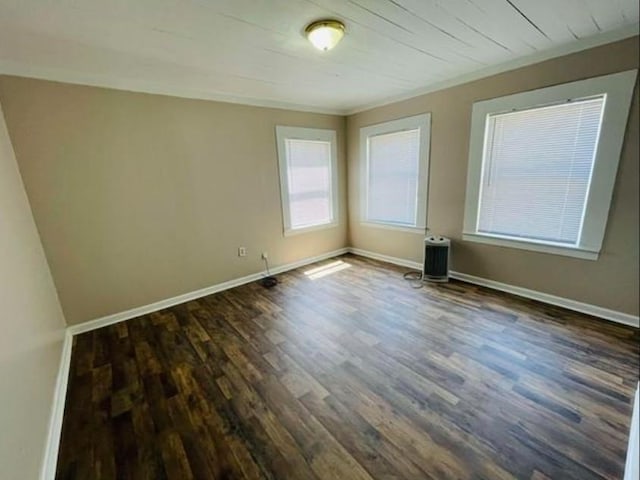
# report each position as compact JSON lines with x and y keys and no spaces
{"x":353,"y":375}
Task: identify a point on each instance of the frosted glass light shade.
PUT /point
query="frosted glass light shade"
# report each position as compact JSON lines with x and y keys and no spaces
{"x":325,"y":34}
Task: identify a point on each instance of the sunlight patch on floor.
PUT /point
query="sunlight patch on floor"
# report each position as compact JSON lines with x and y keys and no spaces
{"x":327,"y":269}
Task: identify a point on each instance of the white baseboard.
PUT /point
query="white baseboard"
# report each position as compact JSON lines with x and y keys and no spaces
{"x":589,"y":309}
{"x":48,"y":471}
{"x":596,"y":311}
{"x":632,"y":467}
{"x":50,"y":461}
{"x":386,"y":258}
{"x":169,"y":302}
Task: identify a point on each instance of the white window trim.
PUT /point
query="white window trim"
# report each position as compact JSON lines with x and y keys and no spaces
{"x":618,"y":88}
{"x":392,"y":226}
{"x":421,"y":122}
{"x":313,"y":134}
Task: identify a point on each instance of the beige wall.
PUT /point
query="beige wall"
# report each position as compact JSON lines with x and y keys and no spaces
{"x":140,"y":197}
{"x":32,"y":328}
{"x":610,"y":282}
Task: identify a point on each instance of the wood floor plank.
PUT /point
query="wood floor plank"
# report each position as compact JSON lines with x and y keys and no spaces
{"x":352,"y":375}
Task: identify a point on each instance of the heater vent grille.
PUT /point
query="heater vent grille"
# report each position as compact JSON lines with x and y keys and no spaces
{"x":436,"y":259}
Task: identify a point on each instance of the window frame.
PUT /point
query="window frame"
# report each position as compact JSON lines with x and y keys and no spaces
{"x":618,"y":90}
{"x":284,"y":133}
{"x":422,"y":123}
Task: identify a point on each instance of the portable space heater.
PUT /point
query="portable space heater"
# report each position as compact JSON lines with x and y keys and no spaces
{"x":436,"y":259}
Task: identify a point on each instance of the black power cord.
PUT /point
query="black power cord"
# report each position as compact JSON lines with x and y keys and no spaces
{"x":269,"y":281}
{"x":415,"y":279}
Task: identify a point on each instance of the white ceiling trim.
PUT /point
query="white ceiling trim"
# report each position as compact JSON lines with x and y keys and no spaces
{"x":141,"y":86}
{"x":566,"y":49}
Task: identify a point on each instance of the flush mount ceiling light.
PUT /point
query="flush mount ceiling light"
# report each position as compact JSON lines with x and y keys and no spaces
{"x":325,"y":34}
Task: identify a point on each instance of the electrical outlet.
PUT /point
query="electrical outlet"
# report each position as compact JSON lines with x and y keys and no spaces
{"x":265,"y":255}
{"x":242,"y":251}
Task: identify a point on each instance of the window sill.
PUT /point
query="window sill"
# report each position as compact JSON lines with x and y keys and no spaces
{"x":298,"y":231}
{"x":532,"y":246}
{"x":390,"y":226}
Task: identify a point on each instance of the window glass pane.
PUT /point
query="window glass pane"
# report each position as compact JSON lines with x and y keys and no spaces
{"x":393,"y":177}
{"x":537,"y":169}
{"x":309,"y":182}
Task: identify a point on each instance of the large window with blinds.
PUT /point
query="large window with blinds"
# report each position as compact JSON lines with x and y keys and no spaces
{"x":395,"y":167}
{"x":538,"y":165}
{"x":542,"y":166}
{"x":308,"y":178}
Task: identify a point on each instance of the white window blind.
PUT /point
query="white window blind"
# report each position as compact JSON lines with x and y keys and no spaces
{"x":393,"y":174}
{"x":309,"y":182}
{"x":537,"y":170}
{"x":308,"y":178}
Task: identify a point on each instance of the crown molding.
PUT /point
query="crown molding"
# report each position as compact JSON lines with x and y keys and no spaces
{"x":142,"y":86}
{"x":559,"y":51}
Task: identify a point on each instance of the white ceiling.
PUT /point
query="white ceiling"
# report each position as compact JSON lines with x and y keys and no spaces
{"x":254,"y":51}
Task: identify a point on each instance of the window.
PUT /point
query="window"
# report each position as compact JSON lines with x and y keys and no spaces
{"x":537,"y":170}
{"x":395,"y":158}
{"x":542,"y":165}
{"x":308,"y":178}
